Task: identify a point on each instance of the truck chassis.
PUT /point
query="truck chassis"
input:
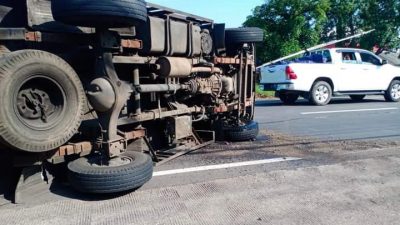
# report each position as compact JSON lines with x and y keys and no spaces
{"x":142,"y":90}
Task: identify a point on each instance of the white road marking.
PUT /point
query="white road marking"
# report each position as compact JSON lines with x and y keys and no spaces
{"x":346,"y":111}
{"x":223,"y":166}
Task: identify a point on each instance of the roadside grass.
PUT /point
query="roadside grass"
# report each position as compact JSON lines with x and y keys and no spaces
{"x":264,"y":94}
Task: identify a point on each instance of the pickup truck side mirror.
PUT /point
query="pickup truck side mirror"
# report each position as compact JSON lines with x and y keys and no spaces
{"x":384,"y":62}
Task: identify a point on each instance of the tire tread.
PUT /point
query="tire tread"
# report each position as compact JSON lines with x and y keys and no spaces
{"x":100,"y":13}
{"x":244,"y":35}
{"x":111,"y":179}
{"x":245,"y":132}
{"x":388,"y":96}
{"x":10,"y":64}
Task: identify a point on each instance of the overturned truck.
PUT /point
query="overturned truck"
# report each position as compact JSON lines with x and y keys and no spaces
{"x":112,"y":87}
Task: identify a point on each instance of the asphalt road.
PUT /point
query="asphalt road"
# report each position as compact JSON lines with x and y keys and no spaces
{"x":372,"y":118}
{"x":338,"y":164}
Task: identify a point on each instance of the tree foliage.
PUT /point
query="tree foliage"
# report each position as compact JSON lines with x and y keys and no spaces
{"x":289,"y":25}
{"x":384,"y":16}
{"x":343,"y":19}
{"x":292,"y":25}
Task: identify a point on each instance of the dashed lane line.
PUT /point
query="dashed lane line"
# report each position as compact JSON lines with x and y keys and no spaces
{"x":347,"y":111}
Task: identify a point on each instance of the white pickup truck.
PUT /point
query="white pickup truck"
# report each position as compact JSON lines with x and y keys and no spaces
{"x":321,"y":74}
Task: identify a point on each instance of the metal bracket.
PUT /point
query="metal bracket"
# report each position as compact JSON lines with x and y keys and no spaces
{"x":200,"y":139}
{"x":12,"y":34}
{"x":115,"y":148}
{"x":113,"y":143}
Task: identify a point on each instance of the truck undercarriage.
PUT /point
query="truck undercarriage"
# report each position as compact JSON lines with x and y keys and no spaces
{"x":145,"y":83}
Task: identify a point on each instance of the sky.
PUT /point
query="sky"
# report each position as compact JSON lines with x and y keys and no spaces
{"x":231,"y":12}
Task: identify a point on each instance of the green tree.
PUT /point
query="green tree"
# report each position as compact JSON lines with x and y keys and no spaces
{"x":292,"y":25}
{"x":343,"y":19}
{"x":384,"y":17}
{"x":348,"y":17}
{"x":289,"y":25}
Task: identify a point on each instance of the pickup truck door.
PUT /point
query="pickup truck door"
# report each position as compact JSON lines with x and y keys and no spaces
{"x":375,"y":75}
{"x":349,"y":75}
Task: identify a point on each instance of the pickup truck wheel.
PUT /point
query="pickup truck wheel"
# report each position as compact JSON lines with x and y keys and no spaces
{"x":244,"y":132}
{"x":97,"y":174}
{"x":42,"y":101}
{"x":321,"y":93}
{"x":288,"y":98}
{"x":100,"y":13}
{"x":393,"y":92}
{"x":357,"y":98}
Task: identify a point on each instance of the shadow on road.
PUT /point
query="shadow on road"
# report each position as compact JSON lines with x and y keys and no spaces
{"x":36,"y":188}
{"x":62,"y":188}
{"x":8,"y":176}
{"x":59,"y":186}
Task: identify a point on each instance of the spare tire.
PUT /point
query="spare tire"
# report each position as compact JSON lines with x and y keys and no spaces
{"x":42,"y":101}
{"x":237,"y":133}
{"x":244,"y":35}
{"x":97,"y":175}
{"x":100,"y":13}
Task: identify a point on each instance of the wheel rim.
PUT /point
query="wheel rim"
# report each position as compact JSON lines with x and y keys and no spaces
{"x":395,"y":91}
{"x":40,"y":103}
{"x":321,"y":94}
{"x":104,"y":161}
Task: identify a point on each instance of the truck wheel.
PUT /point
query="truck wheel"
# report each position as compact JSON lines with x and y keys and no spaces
{"x":100,"y":13}
{"x":393,"y":92}
{"x":235,"y":37}
{"x":357,"y":98}
{"x":321,"y":93}
{"x":288,"y":98}
{"x":244,"y":35}
{"x":245,"y":132}
{"x":42,"y":101}
{"x":98,"y":175}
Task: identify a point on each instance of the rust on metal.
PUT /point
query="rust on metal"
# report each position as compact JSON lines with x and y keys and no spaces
{"x":230,"y":107}
{"x":72,"y":149}
{"x":249,"y":102}
{"x":221,"y":108}
{"x":136,"y":134}
{"x":227,"y":60}
{"x":33,"y":36}
{"x":134,"y":44}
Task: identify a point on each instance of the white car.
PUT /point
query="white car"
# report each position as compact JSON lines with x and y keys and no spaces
{"x":333,"y":72}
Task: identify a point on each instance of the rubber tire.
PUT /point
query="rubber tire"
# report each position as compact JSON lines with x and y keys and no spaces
{"x":246,"y":132}
{"x":357,"y":98}
{"x":388,"y":96}
{"x":19,"y":66}
{"x":86,"y":178}
{"x":312,"y":98}
{"x":100,"y":13}
{"x":288,"y":98}
{"x":244,"y":35}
